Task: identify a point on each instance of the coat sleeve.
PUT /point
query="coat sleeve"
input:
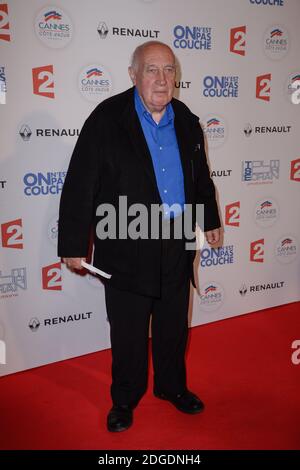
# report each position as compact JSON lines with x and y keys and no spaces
{"x":205,"y":189}
{"x":76,"y":211}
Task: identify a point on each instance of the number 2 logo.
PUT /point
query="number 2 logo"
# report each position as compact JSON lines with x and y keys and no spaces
{"x":263,"y":87}
{"x":257,"y":251}
{"x":51,"y":277}
{"x":238,"y":40}
{"x":295,"y":170}
{"x":12,"y":235}
{"x":43,"y":81}
{"x":4,"y":23}
{"x":232,"y":214}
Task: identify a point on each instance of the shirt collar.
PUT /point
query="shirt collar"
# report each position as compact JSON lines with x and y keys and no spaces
{"x":168,"y":117}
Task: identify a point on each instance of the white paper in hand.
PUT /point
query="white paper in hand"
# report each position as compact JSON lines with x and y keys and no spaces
{"x":92,"y":268}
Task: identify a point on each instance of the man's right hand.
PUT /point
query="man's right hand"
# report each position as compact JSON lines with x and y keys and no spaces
{"x":73,"y":263}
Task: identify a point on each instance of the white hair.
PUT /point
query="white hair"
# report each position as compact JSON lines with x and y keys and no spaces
{"x":139,"y":50}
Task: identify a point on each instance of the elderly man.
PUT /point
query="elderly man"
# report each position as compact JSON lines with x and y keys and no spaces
{"x":149,"y":147}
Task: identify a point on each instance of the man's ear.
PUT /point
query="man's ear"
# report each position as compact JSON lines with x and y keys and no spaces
{"x":132,"y":75}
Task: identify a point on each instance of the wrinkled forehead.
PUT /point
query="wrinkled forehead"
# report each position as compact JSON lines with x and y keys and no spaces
{"x":157,"y":55}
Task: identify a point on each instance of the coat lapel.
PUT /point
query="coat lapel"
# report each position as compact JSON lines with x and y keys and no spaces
{"x":130,"y":121}
{"x":183,"y":139}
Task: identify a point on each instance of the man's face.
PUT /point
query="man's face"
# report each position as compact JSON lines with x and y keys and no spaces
{"x":155,"y":77}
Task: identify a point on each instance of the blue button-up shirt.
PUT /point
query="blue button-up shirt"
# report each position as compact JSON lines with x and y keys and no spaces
{"x":163,"y":147}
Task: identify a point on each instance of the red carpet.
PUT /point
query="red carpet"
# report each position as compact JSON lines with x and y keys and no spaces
{"x":240,"y":367}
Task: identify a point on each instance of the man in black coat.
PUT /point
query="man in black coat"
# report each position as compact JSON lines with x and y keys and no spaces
{"x":141,"y":149}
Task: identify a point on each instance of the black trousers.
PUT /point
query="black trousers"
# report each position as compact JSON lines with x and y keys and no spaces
{"x":129,"y":316}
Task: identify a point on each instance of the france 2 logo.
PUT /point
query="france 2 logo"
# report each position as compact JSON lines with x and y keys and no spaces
{"x":51,"y":277}
{"x":4,"y":23}
{"x":257,"y":251}
{"x":296,"y":354}
{"x":12,"y":235}
{"x":43,"y":81}
{"x":263,"y":87}
{"x":232,"y":214}
{"x":238,"y":40}
{"x":295,"y":170}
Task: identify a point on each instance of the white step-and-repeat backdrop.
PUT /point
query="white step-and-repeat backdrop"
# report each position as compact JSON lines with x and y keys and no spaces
{"x":239,"y":72}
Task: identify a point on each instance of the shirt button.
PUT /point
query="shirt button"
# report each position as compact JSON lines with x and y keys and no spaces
{"x":163,"y":169}
{"x":165,"y":191}
{"x":160,"y":148}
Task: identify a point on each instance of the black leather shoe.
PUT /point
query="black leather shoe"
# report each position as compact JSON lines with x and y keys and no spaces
{"x":186,"y":402}
{"x":119,"y":418}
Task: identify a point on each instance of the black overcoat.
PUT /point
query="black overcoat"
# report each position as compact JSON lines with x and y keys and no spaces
{"x":110,"y":159}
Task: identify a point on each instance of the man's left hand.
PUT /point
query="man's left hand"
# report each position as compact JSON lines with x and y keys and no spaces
{"x":213,"y":236}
